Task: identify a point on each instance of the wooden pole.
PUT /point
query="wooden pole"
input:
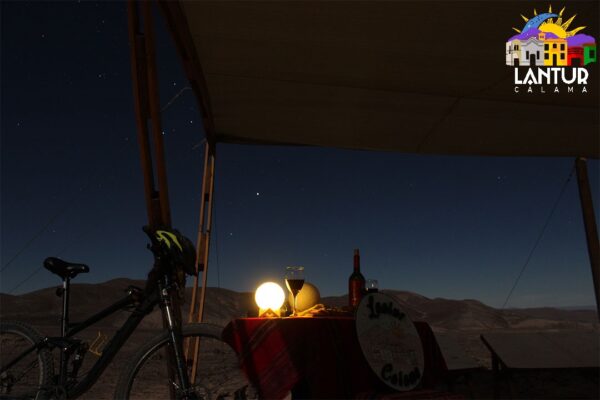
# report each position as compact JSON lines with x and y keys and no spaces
{"x":153,"y":102}
{"x":146,"y":99}
{"x":196,"y":313}
{"x":140,"y":95}
{"x":192,"y":311}
{"x":589,"y":221}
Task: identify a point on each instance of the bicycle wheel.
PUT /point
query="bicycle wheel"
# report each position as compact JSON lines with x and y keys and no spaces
{"x":218,"y":373}
{"x":30,"y":376}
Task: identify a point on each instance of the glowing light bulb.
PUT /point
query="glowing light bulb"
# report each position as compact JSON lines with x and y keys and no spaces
{"x":269,"y":297}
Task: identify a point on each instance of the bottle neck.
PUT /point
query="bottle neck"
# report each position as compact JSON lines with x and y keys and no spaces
{"x":356,"y":261}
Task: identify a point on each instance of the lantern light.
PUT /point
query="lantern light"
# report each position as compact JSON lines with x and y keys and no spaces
{"x":269,"y":297}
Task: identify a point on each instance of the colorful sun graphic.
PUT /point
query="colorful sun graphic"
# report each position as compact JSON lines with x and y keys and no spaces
{"x":545,"y":23}
{"x":548,"y":39}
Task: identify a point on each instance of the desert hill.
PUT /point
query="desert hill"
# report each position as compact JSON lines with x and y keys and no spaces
{"x":462,"y":315}
{"x":44,"y":307}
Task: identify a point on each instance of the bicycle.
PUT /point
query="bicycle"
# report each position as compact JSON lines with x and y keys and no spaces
{"x":27,"y":361}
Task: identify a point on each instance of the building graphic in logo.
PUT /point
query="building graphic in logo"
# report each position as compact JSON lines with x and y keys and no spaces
{"x":548,"y":52}
{"x":546,"y":40}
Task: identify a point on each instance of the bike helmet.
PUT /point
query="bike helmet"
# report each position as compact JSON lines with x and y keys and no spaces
{"x":176,"y":248}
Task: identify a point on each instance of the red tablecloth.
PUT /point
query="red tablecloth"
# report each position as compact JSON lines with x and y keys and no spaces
{"x":318,"y":357}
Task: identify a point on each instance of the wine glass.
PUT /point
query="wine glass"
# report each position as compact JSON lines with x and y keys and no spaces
{"x":372,"y":286}
{"x":294,"y":280}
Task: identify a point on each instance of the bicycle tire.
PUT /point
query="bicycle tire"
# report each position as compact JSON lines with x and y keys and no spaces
{"x":213,"y":351}
{"x":15,"y":338}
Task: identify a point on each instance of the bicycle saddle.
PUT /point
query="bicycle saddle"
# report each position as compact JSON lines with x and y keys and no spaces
{"x":64,"y":269}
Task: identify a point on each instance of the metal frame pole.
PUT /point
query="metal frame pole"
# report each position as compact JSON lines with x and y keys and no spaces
{"x":589,"y":221}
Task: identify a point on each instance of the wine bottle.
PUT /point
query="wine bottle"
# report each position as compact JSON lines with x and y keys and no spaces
{"x":356,"y":283}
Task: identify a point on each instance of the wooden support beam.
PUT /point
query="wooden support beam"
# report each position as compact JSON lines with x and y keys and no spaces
{"x":146,"y":99}
{"x":155,"y":118}
{"x":196,"y":313}
{"x":140,"y":95}
{"x":589,"y":221}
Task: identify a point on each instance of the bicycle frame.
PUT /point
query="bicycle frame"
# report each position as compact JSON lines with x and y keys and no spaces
{"x":116,"y":342}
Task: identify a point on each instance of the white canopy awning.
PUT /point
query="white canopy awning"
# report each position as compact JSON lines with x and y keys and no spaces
{"x":415,"y":77}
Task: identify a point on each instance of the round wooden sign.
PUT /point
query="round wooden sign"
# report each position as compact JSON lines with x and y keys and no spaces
{"x":389,"y":341}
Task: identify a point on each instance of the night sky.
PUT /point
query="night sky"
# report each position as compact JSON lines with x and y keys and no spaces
{"x":71,"y":186}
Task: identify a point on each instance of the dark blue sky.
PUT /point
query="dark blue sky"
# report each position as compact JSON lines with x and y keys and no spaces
{"x":455,"y":227}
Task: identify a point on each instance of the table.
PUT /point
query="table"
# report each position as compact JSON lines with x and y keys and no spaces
{"x":456,"y":358}
{"x":515,"y":355}
{"x":542,"y":350}
{"x":317,"y":357}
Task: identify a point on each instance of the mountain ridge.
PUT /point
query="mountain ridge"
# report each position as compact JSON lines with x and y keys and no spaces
{"x":44,"y":307}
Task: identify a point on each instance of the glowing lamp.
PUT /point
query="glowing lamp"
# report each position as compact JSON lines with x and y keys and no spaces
{"x":269,"y":297}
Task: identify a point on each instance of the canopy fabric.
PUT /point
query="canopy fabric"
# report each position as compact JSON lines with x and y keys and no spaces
{"x":416,"y":77}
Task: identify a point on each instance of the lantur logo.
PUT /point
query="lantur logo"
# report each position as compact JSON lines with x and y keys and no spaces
{"x":555,"y":56}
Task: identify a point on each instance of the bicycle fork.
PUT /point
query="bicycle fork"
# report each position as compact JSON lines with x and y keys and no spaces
{"x":175,"y":338}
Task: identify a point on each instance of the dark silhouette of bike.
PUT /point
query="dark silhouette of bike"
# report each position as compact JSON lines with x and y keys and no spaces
{"x":159,"y":370}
